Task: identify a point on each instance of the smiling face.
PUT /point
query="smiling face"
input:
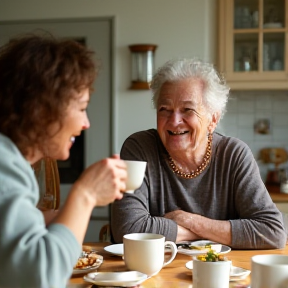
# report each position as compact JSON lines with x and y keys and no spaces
{"x":182,"y":121}
{"x":75,"y":120}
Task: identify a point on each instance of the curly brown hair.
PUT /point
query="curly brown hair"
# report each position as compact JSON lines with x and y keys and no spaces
{"x":39,"y":75}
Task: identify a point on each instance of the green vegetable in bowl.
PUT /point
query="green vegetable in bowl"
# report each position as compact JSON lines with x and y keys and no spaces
{"x":211,"y":256}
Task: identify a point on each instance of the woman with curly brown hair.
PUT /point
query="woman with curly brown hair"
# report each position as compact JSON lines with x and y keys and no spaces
{"x":45,"y":86}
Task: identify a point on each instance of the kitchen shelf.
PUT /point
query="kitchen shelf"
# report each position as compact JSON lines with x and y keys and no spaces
{"x":253,"y":41}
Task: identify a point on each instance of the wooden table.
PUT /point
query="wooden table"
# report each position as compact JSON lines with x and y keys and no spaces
{"x":174,"y":275}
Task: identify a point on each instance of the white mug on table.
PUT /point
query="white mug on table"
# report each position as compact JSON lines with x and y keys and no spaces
{"x":269,"y":271}
{"x":144,"y":252}
{"x":211,"y":274}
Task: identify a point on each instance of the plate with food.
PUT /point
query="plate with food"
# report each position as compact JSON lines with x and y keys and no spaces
{"x":88,"y":261}
{"x":236,"y":273}
{"x":116,"y":249}
{"x":120,"y":279}
{"x":200,"y":247}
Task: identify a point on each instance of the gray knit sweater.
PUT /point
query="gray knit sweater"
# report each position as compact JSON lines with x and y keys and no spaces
{"x":230,"y":188}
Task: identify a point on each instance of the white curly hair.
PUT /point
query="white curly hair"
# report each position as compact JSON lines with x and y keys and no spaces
{"x":216,"y":91}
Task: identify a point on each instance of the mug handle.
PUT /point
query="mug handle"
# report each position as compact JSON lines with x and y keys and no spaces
{"x":174,"y":250}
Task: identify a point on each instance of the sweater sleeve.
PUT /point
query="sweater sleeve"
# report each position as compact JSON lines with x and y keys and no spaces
{"x":133,"y":213}
{"x":259,"y":224}
{"x":31,"y":254}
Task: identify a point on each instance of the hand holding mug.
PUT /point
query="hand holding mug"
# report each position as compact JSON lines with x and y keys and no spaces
{"x":103,"y":180}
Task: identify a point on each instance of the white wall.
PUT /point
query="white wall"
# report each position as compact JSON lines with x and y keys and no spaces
{"x":180,"y":28}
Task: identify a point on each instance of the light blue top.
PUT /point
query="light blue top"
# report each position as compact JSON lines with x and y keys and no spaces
{"x":31,"y":254}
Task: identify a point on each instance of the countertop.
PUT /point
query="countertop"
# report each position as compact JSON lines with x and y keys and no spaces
{"x":276,"y":195}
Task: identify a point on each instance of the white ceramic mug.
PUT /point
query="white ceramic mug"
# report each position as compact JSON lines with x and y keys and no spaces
{"x":136,"y":172}
{"x":211,"y":274}
{"x":145,"y":252}
{"x":269,"y":271}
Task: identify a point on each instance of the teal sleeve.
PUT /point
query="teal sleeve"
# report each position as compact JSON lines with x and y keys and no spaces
{"x":31,"y":255}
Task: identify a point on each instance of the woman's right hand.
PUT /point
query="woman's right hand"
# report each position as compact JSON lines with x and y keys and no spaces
{"x":98,"y":185}
{"x":103,"y":181}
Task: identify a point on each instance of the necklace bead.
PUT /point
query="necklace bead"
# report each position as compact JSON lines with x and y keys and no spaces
{"x":200,"y":168}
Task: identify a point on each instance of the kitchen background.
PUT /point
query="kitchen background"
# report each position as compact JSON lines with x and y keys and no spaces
{"x":245,"y":109}
{"x":180,"y":28}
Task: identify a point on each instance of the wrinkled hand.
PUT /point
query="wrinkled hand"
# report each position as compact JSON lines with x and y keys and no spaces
{"x":184,"y":221}
{"x":181,"y":217}
{"x":201,"y":227}
{"x":103,"y":181}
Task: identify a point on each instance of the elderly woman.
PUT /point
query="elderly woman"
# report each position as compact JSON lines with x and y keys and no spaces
{"x":45,"y":88}
{"x":199,"y":184}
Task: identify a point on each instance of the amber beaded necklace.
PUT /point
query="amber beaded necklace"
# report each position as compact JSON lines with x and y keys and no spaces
{"x":200,"y":168}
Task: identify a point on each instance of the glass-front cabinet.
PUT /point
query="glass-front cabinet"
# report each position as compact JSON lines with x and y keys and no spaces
{"x":253,"y":40}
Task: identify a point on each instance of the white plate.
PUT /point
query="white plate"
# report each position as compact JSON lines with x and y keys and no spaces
{"x":116,"y":249}
{"x":239,"y":272}
{"x":122,"y":279}
{"x":224,"y":249}
{"x":97,"y":264}
{"x":236,"y":273}
{"x":189,"y":265}
{"x":85,"y":270}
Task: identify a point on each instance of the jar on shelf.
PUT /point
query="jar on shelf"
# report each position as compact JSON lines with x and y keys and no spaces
{"x":242,"y":17}
{"x":277,"y":65}
{"x":246,"y":61}
{"x":246,"y":19}
{"x":255,"y":19}
{"x":266,"y":57}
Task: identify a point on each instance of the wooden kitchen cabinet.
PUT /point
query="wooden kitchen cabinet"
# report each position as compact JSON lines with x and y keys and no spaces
{"x":253,"y":41}
{"x":280,"y":199}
